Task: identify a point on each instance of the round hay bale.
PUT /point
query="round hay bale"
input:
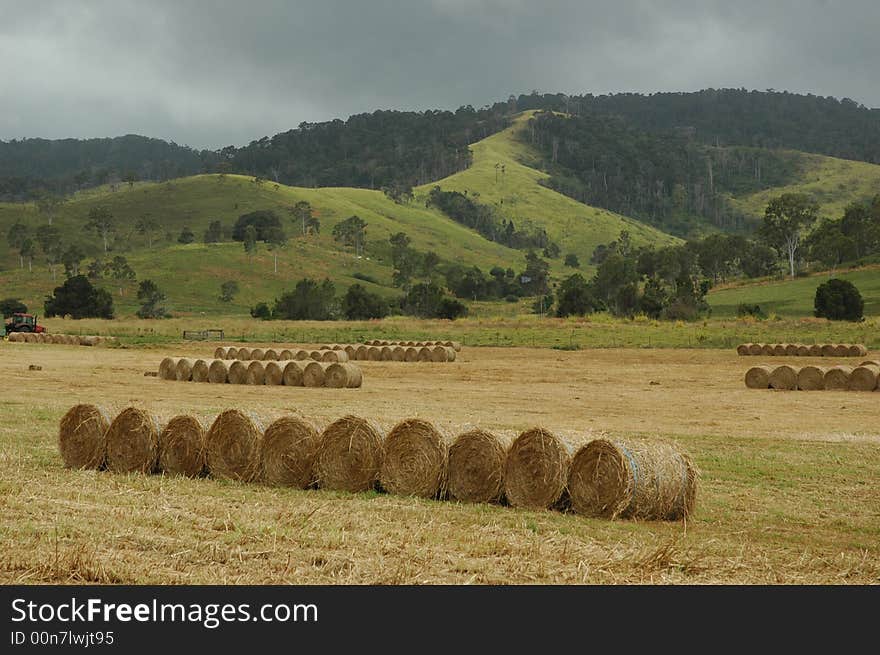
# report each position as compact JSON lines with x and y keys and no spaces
{"x":756,"y":349}
{"x":288,"y":452}
{"x":218,"y":372}
{"x":293,"y":374}
{"x":440,"y":353}
{"x":133,"y":442}
{"x":453,"y":354}
{"x":633,"y":479}
{"x":30,"y":337}
{"x":455,"y":345}
{"x":302,"y":355}
{"x":233,"y":446}
{"x":88,"y":341}
{"x":220,"y":352}
{"x":863,"y":350}
{"x":273,"y":373}
{"x":362,"y":353}
{"x":864,"y":378}
{"x":200,"y":371}
{"x":330,"y":356}
{"x":783,"y":378}
{"x":387,"y":353}
{"x":17,"y":337}
{"x":779,"y":349}
{"x":183,"y":369}
{"x":398,"y":353}
{"x":837,"y":378}
{"x":425,"y":354}
{"x":271,"y":355}
{"x":245,"y":354}
{"x":411,"y":354}
{"x":758,"y":377}
{"x":82,"y":437}
{"x":855,"y":350}
{"x":168,"y":368}
{"x":816,"y":350}
{"x":802,"y":350}
{"x":258,"y":354}
{"x":811,"y":378}
{"x":351,"y":351}
{"x":314,"y":374}
{"x":536,"y":469}
{"x":415,"y":460}
{"x":285,"y":355}
{"x":374,"y":354}
{"x":350,"y":455}
{"x":182,"y":447}
{"x":476,"y":467}
{"x":256,"y":373}
{"x":829,"y":350}
{"x":743,"y":349}
{"x":768,"y":350}
{"x":791,"y":349}
{"x":316,"y":355}
{"x":870,"y":362}
{"x":841,"y":350}
{"x":343,"y":375}
{"x":238,"y":372}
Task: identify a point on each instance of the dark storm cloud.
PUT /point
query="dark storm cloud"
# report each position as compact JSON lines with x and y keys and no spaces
{"x":216,"y":73}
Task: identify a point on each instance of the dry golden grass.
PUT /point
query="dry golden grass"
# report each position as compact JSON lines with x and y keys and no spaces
{"x":788,"y":489}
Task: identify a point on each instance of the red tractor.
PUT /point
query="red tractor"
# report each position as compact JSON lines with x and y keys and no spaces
{"x":23,"y":323}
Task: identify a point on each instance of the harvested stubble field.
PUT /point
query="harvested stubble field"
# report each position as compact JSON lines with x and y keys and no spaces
{"x":788,"y":491}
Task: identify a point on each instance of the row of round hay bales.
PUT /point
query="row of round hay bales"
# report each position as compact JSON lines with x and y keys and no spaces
{"x":537,"y":469}
{"x":62,"y":339}
{"x":292,"y":373}
{"x":803,"y":350}
{"x":865,"y":377}
{"x":401,"y":353}
{"x":282,"y":355}
{"x":455,"y":345}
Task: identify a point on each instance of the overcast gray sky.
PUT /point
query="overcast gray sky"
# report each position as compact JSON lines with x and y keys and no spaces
{"x":210,"y":74}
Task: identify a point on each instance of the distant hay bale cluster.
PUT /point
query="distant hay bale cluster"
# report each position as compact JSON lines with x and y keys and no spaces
{"x":372,"y":351}
{"x":802,"y":350}
{"x":536,"y":469}
{"x":340,"y":374}
{"x":864,"y":377}
{"x":61,"y":339}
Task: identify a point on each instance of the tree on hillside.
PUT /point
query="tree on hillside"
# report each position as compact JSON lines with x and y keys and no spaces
{"x":186,"y":235}
{"x":304,"y":214}
{"x":151,"y":299}
{"x":79,"y":299}
{"x":838,"y":300}
{"x":249,"y":240}
{"x":103,"y":223}
{"x":575,"y":297}
{"x":48,"y":205}
{"x":96,"y":269}
{"x":214,"y":233}
{"x":309,"y":301}
{"x":27,"y":251}
{"x":71,"y":259}
{"x":276,"y":240}
{"x":121,"y":271}
{"x":351,"y":232}
{"x":149,"y":227}
{"x":228,"y":290}
{"x":10,"y":306}
{"x":829,"y":245}
{"x":18,"y":233}
{"x":785,"y":220}
{"x":572,"y":260}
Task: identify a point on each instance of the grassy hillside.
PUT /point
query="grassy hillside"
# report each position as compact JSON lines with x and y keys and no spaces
{"x":794,"y":298}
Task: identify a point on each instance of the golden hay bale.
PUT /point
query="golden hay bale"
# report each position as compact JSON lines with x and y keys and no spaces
{"x":256,"y":373}
{"x":476,"y":466}
{"x":258,"y":354}
{"x":791,"y":349}
{"x":273,"y":373}
{"x":816,"y":350}
{"x":270,"y":355}
{"x":415,"y":460}
{"x":842,"y":350}
{"x":411,"y":354}
{"x":387,"y":353}
{"x":200,"y":371}
{"x":17,"y":337}
{"x":218,"y":372}
{"x":768,"y":350}
{"x":233,"y":446}
{"x":350,"y":455}
{"x":837,"y":378}
{"x":829,"y":350}
{"x":293,"y":373}
{"x":756,"y":348}
{"x":351,"y":351}
{"x":183,"y":369}
{"x":441,"y":353}
{"x":398,"y":353}
{"x":758,"y":377}
{"x":374,"y":353}
{"x":425,"y":354}
{"x":536,"y":469}
{"x":238,"y":372}
{"x":288,"y":452}
{"x":316,"y":355}
{"x":455,"y":345}
{"x":330,"y":356}
{"x":168,"y":368}
{"x":233,"y":353}
{"x":811,"y":378}
{"x":802,"y":350}
{"x":89,"y":341}
{"x":314,"y":374}
{"x":30,"y":337}
{"x":133,"y":442}
{"x":632,"y":479}
{"x":285,"y":355}
{"x":244,"y":354}
{"x":783,"y":378}
{"x":82,"y":437}
{"x":743,"y":348}
{"x":302,"y":355}
{"x":856,"y":350}
{"x":343,"y":375}
{"x":864,"y":378}
{"x":779,"y":349}
{"x":220,"y":352}
{"x":182,"y":446}
{"x":362,"y":353}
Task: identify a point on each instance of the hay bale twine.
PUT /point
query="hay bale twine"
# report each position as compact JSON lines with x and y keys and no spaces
{"x":411,"y":354}
{"x":387,"y":353}
{"x":791,"y":349}
{"x":313,"y":374}
{"x":182,"y":447}
{"x":768,"y":350}
{"x":133,"y":442}
{"x":168,"y":368}
{"x":803,"y":350}
{"x":233,"y":446}
{"x":199,"y":371}
{"x":425,"y":354}
{"x":256,"y":373}
{"x":758,"y":377}
{"x":779,"y":349}
{"x":398,"y":353}
{"x":374,"y":353}
{"x":293,"y":374}
{"x":632,"y":479}
{"x":536,"y":469}
{"x":829,"y":350}
{"x":285,"y":355}
{"x":864,"y":378}
{"x":288,"y":452}
{"x":351,"y":351}
{"x":82,"y":437}
{"x":220,"y":352}
{"x":816,"y":350}
{"x":238,"y":372}
{"x":273,"y":373}
{"x":476,"y":467}
{"x":440,"y":353}
{"x":343,"y":375}
{"x":837,"y":378}
{"x":783,"y":378}
{"x":415,"y":460}
{"x":331,"y":356}
{"x":271,"y":355}
{"x":218,"y":372}
{"x":743,"y":349}
{"x":350,"y":455}
{"x":811,"y":378}
{"x":183,"y":369}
